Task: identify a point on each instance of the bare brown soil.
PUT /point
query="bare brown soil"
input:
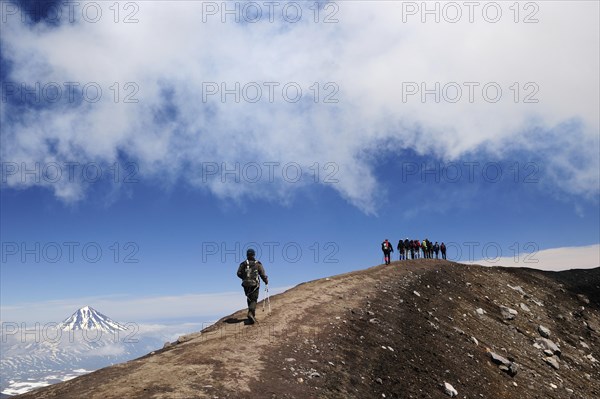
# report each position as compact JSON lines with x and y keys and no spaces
{"x":396,"y":331}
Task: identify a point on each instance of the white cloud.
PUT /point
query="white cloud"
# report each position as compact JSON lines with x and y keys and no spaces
{"x":555,"y":259}
{"x":369,"y":54}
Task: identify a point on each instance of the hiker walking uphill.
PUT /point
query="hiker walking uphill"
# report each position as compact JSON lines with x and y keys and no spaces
{"x":387,"y":249}
{"x":249,"y":271}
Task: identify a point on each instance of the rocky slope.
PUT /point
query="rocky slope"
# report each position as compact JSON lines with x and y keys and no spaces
{"x":413,"y":329}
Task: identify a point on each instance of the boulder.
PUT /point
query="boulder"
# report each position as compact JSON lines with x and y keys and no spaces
{"x":583,"y":299}
{"x":508,"y":313}
{"x":552,"y":361}
{"x":524,"y":307}
{"x":498,"y":359}
{"x":504,"y":364}
{"x":545,"y":343}
{"x":544,"y":332}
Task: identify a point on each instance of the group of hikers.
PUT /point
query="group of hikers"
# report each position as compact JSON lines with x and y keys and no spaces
{"x":413,"y":249}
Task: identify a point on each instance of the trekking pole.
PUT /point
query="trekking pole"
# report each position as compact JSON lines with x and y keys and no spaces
{"x":267,"y":299}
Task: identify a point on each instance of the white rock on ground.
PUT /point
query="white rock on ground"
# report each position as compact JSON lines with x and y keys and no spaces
{"x":450,"y":391}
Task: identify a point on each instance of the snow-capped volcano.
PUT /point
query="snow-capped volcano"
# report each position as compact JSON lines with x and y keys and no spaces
{"x":88,"y":318}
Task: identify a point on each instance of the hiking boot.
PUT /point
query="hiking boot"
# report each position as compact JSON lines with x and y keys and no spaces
{"x":251,"y":319}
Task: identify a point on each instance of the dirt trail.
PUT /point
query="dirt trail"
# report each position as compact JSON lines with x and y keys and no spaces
{"x":368,"y":334}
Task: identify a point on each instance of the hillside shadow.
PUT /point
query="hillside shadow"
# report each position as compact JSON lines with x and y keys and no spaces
{"x":575,"y":281}
{"x":235,"y":320}
{"x":582,"y":281}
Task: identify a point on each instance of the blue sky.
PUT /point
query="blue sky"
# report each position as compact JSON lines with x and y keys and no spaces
{"x":174,"y":223}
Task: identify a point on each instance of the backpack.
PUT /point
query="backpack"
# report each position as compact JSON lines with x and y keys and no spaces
{"x":250,"y":274}
{"x":385,"y":245}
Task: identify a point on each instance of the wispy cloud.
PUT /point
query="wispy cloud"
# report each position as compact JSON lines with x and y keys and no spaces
{"x":370,"y":55}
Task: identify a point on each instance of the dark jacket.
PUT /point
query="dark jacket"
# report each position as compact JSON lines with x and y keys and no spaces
{"x":390,"y":249}
{"x":259,"y":267}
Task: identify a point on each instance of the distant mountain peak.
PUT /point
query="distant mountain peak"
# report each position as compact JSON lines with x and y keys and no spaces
{"x":88,"y":318}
